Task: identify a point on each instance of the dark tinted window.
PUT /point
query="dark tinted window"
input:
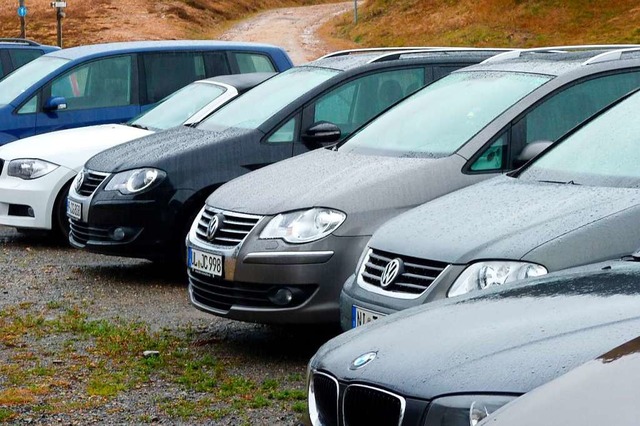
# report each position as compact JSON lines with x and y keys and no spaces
{"x":253,"y":62}
{"x":217,"y":64}
{"x":19,"y":57}
{"x":168,"y":72}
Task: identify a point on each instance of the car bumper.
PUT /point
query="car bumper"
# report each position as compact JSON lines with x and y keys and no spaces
{"x":29,"y":203}
{"x":260,"y":276}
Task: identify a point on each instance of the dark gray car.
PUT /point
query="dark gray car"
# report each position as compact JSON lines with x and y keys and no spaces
{"x":300,"y":225}
{"x":578,"y":203}
{"x":452,"y":362}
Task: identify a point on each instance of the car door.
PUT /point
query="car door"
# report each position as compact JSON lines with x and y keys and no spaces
{"x":97,"y":92}
{"x":551,"y":118}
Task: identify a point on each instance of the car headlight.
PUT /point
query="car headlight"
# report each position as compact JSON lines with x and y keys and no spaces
{"x":464,"y":410}
{"x":481,"y":275}
{"x":303,"y":226}
{"x":134,"y":181}
{"x":29,"y":168}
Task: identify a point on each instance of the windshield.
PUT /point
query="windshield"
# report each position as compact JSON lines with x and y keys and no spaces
{"x":262,"y":102}
{"x":443,"y":116}
{"x":178,"y":107}
{"x":24,"y":77}
{"x":605,"y":152}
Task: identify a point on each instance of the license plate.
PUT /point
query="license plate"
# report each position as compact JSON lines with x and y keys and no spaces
{"x":74,"y":209}
{"x":205,"y":263}
{"x":360,"y":316}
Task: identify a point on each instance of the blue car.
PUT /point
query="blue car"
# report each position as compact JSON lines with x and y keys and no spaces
{"x":112,"y":83}
{"x":16,"y":52}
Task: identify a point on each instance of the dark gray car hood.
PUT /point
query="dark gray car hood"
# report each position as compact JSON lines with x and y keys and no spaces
{"x":167,"y":150}
{"x":370,"y":189}
{"x":505,"y":218}
{"x":506,"y":341}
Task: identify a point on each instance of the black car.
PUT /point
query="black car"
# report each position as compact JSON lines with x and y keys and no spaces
{"x":15,"y":52}
{"x":139,"y":199}
{"x":453,"y":362}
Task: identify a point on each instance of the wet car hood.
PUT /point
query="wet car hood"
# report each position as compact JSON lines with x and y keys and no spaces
{"x":507,"y":218}
{"x":369,"y":189}
{"x":71,"y":148}
{"x":165,"y":150}
{"x":503,"y":342}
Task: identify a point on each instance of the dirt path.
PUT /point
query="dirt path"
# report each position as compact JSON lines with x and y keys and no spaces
{"x":293,"y":28}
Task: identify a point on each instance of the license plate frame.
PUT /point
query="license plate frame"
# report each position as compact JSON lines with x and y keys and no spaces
{"x":205,"y":263}
{"x":74,"y":209}
{"x":361,"y":316}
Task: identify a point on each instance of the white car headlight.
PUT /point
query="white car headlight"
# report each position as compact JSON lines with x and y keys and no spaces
{"x":481,"y":275}
{"x":303,"y":226}
{"x":134,"y":181}
{"x":30,"y":168}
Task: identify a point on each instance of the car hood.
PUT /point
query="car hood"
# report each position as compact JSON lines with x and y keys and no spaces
{"x":369,"y":189}
{"x":507,"y":218}
{"x":507,"y":341}
{"x":72,"y":147}
{"x":164,"y":150}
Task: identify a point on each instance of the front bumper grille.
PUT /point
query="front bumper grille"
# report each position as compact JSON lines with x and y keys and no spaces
{"x":232,"y":229}
{"x":81,"y":232}
{"x":416,"y":276}
{"x":221,"y":295}
{"x":90,"y":182}
{"x":355,"y":404}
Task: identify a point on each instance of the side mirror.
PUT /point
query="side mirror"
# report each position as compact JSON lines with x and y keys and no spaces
{"x":55,"y":103}
{"x":322,"y":133}
{"x":530,"y":151}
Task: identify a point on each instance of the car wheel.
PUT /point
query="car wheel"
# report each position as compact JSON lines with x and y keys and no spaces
{"x":59,"y":219}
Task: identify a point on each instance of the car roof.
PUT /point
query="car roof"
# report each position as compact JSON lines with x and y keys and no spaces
{"x":242,"y":82}
{"x":23,"y":43}
{"x":346,"y":60}
{"x":150,"y":46}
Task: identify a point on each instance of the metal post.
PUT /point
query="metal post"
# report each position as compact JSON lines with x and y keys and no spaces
{"x":23,"y":30}
{"x":59,"y":16}
{"x":355,"y":11}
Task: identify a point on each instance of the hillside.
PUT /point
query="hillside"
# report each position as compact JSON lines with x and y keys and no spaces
{"x":503,"y":23}
{"x":93,"y":21}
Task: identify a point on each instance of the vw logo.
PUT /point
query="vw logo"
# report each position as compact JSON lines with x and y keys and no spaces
{"x":79,"y":179}
{"x":363,"y":360}
{"x":212,"y":227}
{"x":391,"y":272}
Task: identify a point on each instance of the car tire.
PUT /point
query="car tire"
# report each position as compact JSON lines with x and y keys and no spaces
{"x":59,"y":220}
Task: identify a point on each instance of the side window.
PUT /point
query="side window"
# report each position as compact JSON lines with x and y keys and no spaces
{"x":253,"y":62}
{"x":357,"y":101}
{"x":286,"y":133}
{"x":169,"y":71}
{"x":102,"y":83}
{"x":30,"y":107}
{"x":560,"y":113}
{"x":216,"y":64}
{"x":19,"y":57}
{"x":494,"y":157}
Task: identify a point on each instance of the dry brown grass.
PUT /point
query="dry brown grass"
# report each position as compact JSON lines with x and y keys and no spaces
{"x":94,"y":21}
{"x":508,"y":23}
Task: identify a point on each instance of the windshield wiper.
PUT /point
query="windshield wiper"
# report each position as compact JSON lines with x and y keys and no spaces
{"x":139,"y":126}
{"x":571,"y":182}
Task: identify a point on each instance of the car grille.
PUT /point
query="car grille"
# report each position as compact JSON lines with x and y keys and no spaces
{"x":417,"y":277}
{"x":221,"y":295}
{"x":361,"y":404}
{"x":233,"y":229}
{"x":90,"y":181}
{"x":1,"y":165}
{"x":81,"y":233}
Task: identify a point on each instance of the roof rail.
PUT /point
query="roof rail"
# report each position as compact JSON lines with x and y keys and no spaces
{"x":614,"y":55}
{"x":514,"y":54}
{"x":396,"y":55}
{"x":19,"y":40}
{"x":373,"y":50}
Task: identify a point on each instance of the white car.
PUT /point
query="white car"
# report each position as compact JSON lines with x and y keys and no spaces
{"x":35,"y":172}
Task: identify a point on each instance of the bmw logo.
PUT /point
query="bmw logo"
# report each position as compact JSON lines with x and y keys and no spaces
{"x":363,"y":360}
{"x":212,"y":228}
{"x":391,"y":272}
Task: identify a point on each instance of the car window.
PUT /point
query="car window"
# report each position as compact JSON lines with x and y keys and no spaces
{"x":286,"y":133}
{"x":357,"y":101}
{"x":493,"y":158}
{"x":30,"y":106}
{"x":185,"y":67}
{"x":101,"y":83}
{"x":24,"y":77}
{"x":20,"y":57}
{"x":253,"y":62}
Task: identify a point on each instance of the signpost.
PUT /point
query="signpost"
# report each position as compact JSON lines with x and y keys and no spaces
{"x":60,"y":6}
{"x":22,"y":12}
{"x":355,"y":11}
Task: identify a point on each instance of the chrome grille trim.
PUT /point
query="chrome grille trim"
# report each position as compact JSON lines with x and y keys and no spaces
{"x":232,"y":231}
{"x":403,"y":402}
{"x":1,"y":165}
{"x":314,"y":404}
{"x":91,"y":181}
{"x":418,"y":276}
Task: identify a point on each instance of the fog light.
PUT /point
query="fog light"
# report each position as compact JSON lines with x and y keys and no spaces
{"x":118,"y":234}
{"x":30,"y":212}
{"x":282,"y":297}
